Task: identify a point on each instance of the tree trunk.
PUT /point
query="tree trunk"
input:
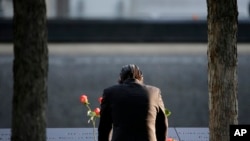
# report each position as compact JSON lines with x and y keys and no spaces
{"x":30,"y":68}
{"x":222,"y":67}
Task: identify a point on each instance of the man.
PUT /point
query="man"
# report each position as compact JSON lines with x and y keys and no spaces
{"x":134,"y":111}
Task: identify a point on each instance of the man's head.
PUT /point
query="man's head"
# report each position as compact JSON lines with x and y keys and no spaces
{"x":130,"y":71}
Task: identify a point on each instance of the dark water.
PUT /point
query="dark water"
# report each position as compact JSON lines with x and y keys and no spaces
{"x":182,"y":79}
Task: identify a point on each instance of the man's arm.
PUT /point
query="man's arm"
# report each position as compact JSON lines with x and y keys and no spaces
{"x":161,"y":120}
{"x":105,"y":123}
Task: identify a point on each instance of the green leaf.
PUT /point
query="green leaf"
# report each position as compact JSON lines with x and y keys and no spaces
{"x":89,"y":113}
{"x":167,"y":112}
{"x":87,"y":103}
{"x":92,"y":118}
{"x":92,"y":114}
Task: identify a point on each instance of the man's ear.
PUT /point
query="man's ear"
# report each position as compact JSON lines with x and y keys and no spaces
{"x":141,"y":79}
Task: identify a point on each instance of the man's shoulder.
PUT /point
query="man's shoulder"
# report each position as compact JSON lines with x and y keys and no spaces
{"x":152,"y":88}
{"x":149,"y":88}
{"x":113,"y":87}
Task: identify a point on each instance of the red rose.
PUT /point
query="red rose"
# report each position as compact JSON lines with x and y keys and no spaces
{"x":100,"y":100}
{"x":97,"y":111}
{"x":170,"y":139}
{"x":84,"y":99}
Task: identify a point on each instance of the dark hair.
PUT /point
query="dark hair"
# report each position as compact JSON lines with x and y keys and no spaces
{"x":130,"y":71}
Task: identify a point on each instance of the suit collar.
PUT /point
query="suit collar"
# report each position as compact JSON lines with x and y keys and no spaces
{"x":131,"y":80}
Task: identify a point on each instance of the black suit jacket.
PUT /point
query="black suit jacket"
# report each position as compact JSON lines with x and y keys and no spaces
{"x":134,"y":112}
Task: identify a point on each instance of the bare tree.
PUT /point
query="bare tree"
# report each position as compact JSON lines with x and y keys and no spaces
{"x":30,"y":68}
{"x":222,"y":67}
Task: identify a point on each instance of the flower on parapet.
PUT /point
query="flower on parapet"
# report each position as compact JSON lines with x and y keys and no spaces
{"x":100,"y":100}
{"x":97,"y":111}
{"x":170,"y":139}
{"x":93,"y":114}
{"x":84,"y":99}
